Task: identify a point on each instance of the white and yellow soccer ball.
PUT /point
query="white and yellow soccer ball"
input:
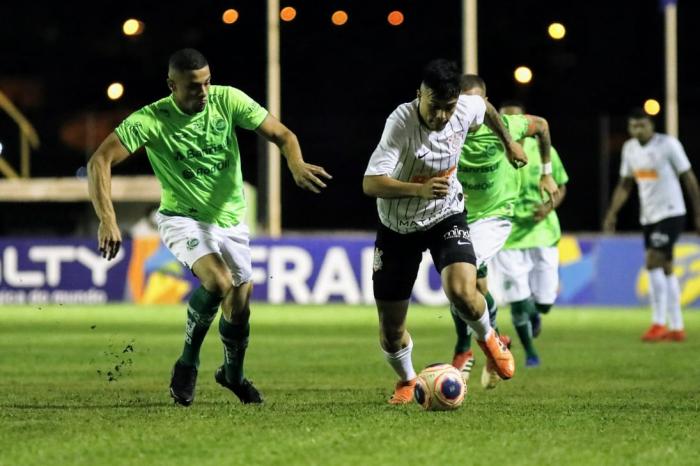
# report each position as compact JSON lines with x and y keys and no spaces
{"x":440,"y":387}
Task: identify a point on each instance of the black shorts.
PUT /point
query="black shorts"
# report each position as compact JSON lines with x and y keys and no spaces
{"x":662,"y":235}
{"x":397,"y":256}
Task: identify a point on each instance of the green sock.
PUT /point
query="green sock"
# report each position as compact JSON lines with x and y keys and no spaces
{"x":235,"y":339}
{"x":493,"y":310}
{"x":201,"y":310}
{"x":520,"y":312}
{"x":464,"y":340}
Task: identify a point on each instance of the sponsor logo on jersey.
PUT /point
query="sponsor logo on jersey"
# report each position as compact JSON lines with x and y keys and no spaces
{"x":219,"y":124}
{"x":440,"y":174}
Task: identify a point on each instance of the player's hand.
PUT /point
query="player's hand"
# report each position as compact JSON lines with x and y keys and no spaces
{"x":609,"y":224}
{"x":434,"y":188}
{"x":549,"y":186}
{"x":307,"y":176}
{"x":516,"y":155}
{"x":109,"y":239}
{"x":541,"y":212}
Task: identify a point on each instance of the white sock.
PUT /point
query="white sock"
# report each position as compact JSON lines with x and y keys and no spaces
{"x":481,"y":327}
{"x":675,"y":317}
{"x":401,"y":362}
{"x":658,"y":295}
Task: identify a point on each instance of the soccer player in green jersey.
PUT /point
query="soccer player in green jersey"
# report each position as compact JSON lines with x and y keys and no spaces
{"x":191,"y":143}
{"x":491,"y":187}
{"x":527,"y":269}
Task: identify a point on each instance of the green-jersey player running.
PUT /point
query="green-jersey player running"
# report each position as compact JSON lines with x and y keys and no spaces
{"x":190,"y":140}
{"x":491,"y":187}
{"x":527,"y":269}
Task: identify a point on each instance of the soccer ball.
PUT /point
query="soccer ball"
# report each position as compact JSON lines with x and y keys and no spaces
{"x":440,"y":387}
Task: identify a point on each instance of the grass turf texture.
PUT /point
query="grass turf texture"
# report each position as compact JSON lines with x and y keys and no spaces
{"x":601,"y":396}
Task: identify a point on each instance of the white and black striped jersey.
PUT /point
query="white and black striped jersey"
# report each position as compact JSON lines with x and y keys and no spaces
{"x":410,"y":152}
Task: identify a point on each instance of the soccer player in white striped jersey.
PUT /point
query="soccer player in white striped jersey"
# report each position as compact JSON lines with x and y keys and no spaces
{"x":656,"y":162}
{"x":420,"y":202}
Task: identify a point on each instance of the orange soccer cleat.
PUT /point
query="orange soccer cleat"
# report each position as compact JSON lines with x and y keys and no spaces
{"x":464,"y":362}
{"x":675,"y":335}
{"x":656,"y":332}
{"x":499,"y":356}
{"x":403,"y":393}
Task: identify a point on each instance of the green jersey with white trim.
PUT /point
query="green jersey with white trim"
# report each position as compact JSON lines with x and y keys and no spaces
{"x":527,"y":233}
{"x":196,"y":157}
{"x":489,"y":181}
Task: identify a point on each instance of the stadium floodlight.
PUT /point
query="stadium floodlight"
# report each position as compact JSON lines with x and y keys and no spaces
{"x":133,"y":27}
{"x":339,"y":18}
{"x":0,"y":148}
{"x":556,"y":31}
{"x":288,"y":13}
{"x":652,"y":107}
{"x":115,"y":91}
{"x":230,"y":16}
{"x":523,"y":75}
{"x":395,"y":18}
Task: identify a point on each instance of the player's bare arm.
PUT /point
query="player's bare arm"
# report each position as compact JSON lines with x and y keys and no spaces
{"x":620,"y":196}
{"x":545,"y":209}
{"x":514,"y":151}
{"x":306,"y":175}
{"x":538,"y":127}
{"x":385,"y":187}
{"x":690,"y":182}
{"x":110,"y":152}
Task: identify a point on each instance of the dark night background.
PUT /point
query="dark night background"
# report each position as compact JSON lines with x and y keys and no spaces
{"x":340,"y":83}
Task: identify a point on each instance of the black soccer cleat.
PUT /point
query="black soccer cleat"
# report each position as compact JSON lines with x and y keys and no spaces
{"x":245,"y":391}
{"x":182,"y":383}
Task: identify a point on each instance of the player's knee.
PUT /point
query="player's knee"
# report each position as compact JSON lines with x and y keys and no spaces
{"x":218,"y":283}
{"x":655,"y":259}
{"x":466,"y":299}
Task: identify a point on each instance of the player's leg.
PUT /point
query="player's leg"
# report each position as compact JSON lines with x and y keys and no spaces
{"x":656,"y":241}
{"x":454,"y":258}
{"x":234,"y":326}
{"x":395,"y":267}
{"x":673,"y":227}
{"x":189,"y":242}
{"x":544,"y":283}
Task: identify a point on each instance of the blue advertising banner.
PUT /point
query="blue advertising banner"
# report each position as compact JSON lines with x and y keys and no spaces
{"x":594,"y":270}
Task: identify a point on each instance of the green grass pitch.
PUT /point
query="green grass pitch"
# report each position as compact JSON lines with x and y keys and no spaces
{"x":600,"y":398}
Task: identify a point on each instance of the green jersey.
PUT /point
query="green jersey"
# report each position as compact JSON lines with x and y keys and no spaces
{"x":196,"y":157}
{"x":489,"y":181}
{"x":526,"y":233}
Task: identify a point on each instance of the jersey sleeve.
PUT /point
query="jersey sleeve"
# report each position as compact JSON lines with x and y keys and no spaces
{"x":558,"y":172}
{"x":625,"y":169}
{"x":245,"y":112}
{"x":386,"y":155}
{"x":677,"y":156}
{"x":137,"y":129}
{"x":476,"y":109}
{"x":517,"y":126}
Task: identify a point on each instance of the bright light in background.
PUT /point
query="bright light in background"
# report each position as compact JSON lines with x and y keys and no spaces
{"x":115,"y":91}
{"x":230,"y":16}
{"x":652,"y":107}
{"x":133,"y":27}
{"x":288,"y":13}
{"x":556,"y":31}
{"x":339,"y":18}
{"x":395,"y":18}
{"x":523,"y":74}
{"x":0,"y":148}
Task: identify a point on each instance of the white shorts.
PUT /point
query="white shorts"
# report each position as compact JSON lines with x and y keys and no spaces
{"x":188,"y":240}
{"x":488,"y":237}
{"x":518,"y":274}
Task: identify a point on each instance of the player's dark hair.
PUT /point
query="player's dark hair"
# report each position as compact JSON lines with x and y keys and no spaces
{"x":470,"y":81}
{"x":639,"y":114}
{"x":442,"y":77}
{"x":513,"y":103}
{"x":187,"y":60}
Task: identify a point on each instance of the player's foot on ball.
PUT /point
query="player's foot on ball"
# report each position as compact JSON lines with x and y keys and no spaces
{"x":536,"y":323}
{"x":464,"y":362}
{"x":675,"y":335}
{"x":403,"y":392}
{"x":489,"y":377}
{"x":532,"y":361}
{"x":498,"y":355}
{"x":245,"y":391}
{"x":182,"y":383}
{"x":656,"y":332}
